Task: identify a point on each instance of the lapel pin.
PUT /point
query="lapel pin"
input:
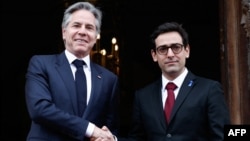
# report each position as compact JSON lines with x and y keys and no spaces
{"x":99,"y":76}
{"x":190,"y":83}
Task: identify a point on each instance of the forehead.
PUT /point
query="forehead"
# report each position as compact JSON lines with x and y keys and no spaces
{"x":168,"y":38}
{"x":82,"y":16}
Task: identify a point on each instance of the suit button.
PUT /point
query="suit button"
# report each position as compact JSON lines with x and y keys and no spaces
{"x":169,"y":135}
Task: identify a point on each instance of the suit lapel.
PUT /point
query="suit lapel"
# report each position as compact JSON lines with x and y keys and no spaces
{"x":97,"y":80}
{"x":186,"y":87}
{"x":63,"y":68}
{"x":156,"y":98}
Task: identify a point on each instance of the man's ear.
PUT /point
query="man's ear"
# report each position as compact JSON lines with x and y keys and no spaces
{"x":187,"y":49}
{"x":153,"y":54}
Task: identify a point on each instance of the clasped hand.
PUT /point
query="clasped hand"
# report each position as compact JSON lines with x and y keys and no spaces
{"x":102,"y":134}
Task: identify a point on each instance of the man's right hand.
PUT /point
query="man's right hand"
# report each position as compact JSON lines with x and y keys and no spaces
{"x":102,"y":134}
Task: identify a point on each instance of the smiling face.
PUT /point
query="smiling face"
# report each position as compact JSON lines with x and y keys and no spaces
{"x":172,"y":65}
{"x":80,"y":34}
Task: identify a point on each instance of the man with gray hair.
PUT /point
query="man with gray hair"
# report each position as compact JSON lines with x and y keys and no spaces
{"x":58,"y":108}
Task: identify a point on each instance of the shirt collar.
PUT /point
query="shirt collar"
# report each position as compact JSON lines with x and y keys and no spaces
{"x":178,"y":81}
{"x":71,"y":57}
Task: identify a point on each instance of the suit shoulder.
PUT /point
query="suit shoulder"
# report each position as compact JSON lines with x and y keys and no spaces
{"x":43,"y":57}
{"x":155,"y":85}
{"x":192,"y":77}
{"x":206,"y":82}
{"x":42,"y":60}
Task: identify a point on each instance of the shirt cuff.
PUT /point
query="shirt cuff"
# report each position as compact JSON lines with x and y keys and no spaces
{"x":90,"y":129}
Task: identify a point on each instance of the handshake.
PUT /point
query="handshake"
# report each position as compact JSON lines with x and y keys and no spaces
{"x":102,"y":134}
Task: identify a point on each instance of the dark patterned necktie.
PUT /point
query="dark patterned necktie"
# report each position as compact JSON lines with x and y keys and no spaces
{"x":81,"y":86}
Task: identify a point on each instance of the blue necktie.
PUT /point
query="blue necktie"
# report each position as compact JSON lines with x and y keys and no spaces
{"x":81,"y":86}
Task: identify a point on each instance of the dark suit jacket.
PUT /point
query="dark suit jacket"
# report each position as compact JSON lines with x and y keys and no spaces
{"x":199,"y":113}
{"x":52,"y":102}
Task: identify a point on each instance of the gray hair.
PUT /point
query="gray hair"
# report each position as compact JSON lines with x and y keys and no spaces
{"x":85,"y":6}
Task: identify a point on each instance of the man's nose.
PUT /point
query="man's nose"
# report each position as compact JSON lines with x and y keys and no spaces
{"x":82,"y":31}
{"x":170,"y":52}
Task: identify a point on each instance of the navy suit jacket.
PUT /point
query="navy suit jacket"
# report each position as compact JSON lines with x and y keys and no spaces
{"x":199,"y":113}
{"x":52,"y":102}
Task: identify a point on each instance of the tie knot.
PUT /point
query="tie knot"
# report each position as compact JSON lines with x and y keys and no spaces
{"x":171,"y":86}
{"x":78,"y":63}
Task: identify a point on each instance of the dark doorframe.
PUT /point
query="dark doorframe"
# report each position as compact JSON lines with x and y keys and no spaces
{"x":234,"y":45}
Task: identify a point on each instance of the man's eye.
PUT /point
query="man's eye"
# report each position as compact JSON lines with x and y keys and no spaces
{"x":90,"y":27}
{"x":163,"y":48}
{"x":76,"y":25}
{"x":175,"y":47}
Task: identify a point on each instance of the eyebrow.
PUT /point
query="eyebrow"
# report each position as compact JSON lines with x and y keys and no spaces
{"x":168,"y":45}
